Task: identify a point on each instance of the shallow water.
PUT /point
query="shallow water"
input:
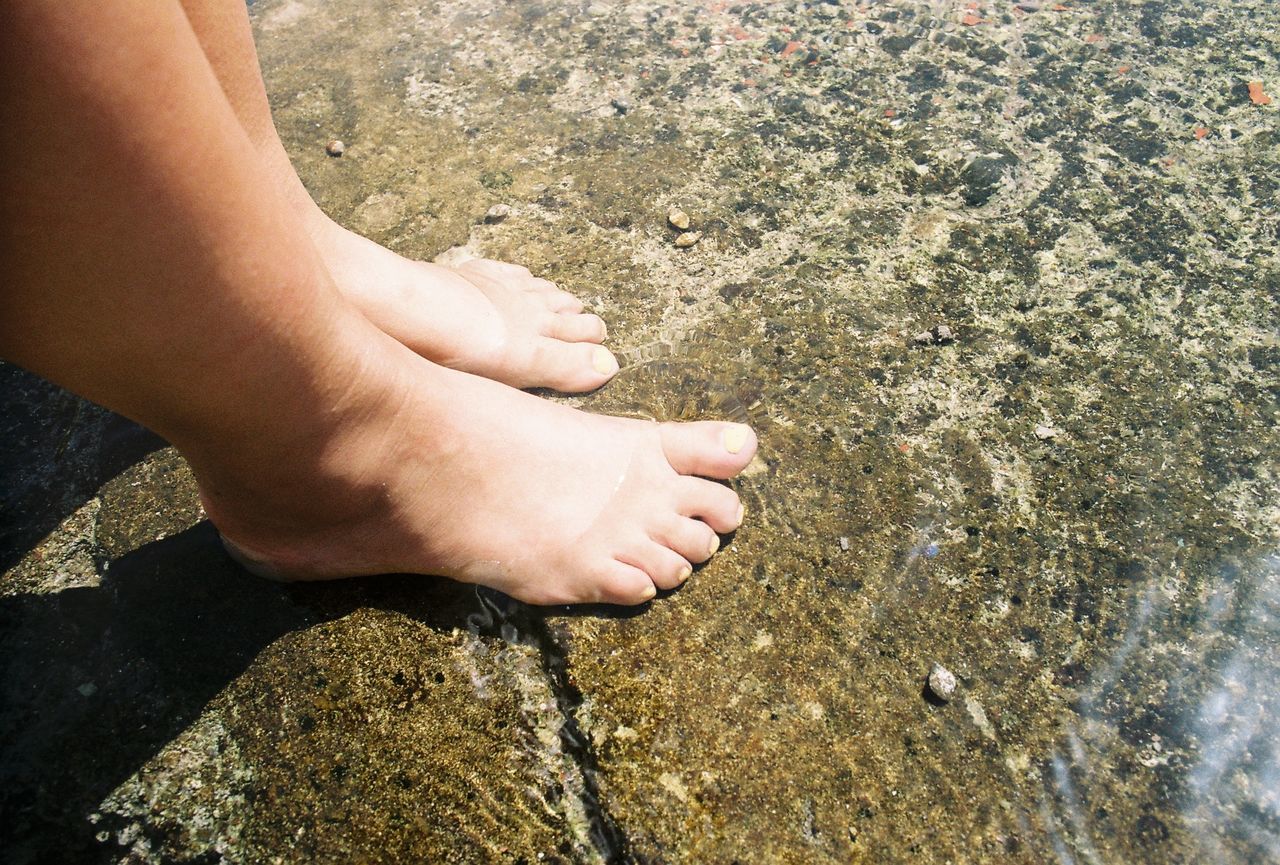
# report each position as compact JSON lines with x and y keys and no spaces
{"x":1071,"y":503}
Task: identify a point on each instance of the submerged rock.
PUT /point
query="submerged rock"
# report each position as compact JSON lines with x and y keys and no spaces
{"x":678,"y":218}
{"x":335,"y":148}
{"x":942,"y":682}
{"x":497,"y":213}
{"x":941,"y":334}
{"x":688,"y":239}
{"x":981,"y":178}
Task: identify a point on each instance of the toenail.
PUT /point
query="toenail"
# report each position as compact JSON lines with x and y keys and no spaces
{"x":604,"y":330}
{"x":734,"y":438}
{"x":742,"y":511}
{"x":685,"y":573}
{"x":650,"y":593}
{"x":605,"y":363}
{"x":715,"y":545}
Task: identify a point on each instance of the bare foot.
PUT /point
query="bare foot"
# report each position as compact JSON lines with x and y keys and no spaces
{"x":451,"y":474}
{"x":484,"y":317}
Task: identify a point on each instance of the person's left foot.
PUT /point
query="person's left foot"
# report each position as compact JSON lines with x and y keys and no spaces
{"x":484,"y":317}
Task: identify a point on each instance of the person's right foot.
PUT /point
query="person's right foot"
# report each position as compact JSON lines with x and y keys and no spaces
{"x":455,"y":475}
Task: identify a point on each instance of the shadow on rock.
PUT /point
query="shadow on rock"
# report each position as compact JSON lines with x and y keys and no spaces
{"x":95,"y":681}
{"x":56,"y":452}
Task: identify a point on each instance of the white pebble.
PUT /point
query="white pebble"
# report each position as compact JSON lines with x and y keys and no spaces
{"x":942,"y":682}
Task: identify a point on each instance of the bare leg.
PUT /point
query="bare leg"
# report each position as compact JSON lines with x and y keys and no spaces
{"x":485,"y":317}
{"x":152,"y":267}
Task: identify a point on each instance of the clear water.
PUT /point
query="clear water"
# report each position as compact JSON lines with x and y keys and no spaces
{"x":1070,"y":503}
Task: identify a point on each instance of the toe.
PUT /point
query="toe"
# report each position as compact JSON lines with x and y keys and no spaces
{"x":572,"y":367}
{"x":495,"y":269}
{"x":556,"y":299}
{"x":690,"y":538}
{"x":708,"y":448}
{"x":713,"y":503}
{"x":665,"y":567}
{"x":621,"y":583}
{"x":573,"y":327}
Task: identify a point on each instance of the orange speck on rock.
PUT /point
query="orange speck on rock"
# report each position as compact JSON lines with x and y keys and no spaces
{"x":1257,"y":95}
{"x":1122,"y":70}
{"x":850,"y":24}
{"x":785,"y":29}
{"x":889,"y":112}
{"x":970,"y":19}
{"x":1093,"y":37}
{"x":739,"y":34}
{"x":792,"y":48}
{"x":1059,"y":7}
{"x":1201,"y":132}
{"x":904,"y":447}
{"x":748,"y":82}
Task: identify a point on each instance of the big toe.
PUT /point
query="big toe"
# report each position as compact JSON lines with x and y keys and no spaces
{"x":710,"y":449}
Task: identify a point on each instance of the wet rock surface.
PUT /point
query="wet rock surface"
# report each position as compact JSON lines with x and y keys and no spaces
{"x":1032,"y":175}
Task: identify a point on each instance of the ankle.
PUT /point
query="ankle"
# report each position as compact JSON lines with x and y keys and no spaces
{"x":304,"y":466}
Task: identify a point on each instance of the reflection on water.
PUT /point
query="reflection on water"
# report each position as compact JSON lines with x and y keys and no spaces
{"x":1206,"y":738}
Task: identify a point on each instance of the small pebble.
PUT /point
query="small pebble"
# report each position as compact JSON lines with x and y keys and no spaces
{"x":924,"y":337}
{"x":688,"y":239}
{"x":1044,"y":433}
{"x":497,"y":213}
{"x":621,"y":106}
{"x":678,"y":218}
{"x":335,"y":148}
{"x":943,"y":333}
{"x":942,"y":682}
{"x":844,"y":544}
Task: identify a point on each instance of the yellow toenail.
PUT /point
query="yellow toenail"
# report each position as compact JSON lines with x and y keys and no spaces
{"x":742,"y":512}
{"x":650,"y":593}
{"x":715,"y":545}
{"x":734,"y":438}
{"x":685,"y":573}
{"x":605,"y":363}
